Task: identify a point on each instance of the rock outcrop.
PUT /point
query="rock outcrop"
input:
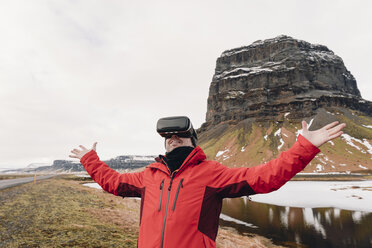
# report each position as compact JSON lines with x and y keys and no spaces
{"x":260,"y":93}
{"x":278,"y":76}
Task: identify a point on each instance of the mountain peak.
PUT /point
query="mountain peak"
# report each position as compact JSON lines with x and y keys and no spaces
{"x":271,"y":77}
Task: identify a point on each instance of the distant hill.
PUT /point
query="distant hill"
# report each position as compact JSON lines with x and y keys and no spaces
{"x":120,"y":163}
{"x":260,"y":93}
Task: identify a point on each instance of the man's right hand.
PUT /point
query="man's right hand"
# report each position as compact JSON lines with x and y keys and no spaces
{"x":79,"y":153}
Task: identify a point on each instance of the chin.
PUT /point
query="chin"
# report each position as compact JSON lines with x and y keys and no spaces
{"x":171,"y":148}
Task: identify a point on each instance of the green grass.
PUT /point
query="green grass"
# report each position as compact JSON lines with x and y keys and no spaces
{"x":216,"y":144}
{"x":356,"y":130}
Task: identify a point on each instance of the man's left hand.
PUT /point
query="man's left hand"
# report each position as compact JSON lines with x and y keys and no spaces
{"x":324,"y":134}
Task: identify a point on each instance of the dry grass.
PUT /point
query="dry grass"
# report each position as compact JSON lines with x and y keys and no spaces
{"x":62,"y":213}
{"x":230,"y":238}
{"x":14,"y":176}
{"x":57,"y":213}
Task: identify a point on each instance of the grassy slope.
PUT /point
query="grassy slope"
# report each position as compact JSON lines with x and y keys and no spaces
{"x":247,"y":146}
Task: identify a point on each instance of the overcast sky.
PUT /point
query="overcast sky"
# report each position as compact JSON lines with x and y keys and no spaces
{"x":74,"y":72}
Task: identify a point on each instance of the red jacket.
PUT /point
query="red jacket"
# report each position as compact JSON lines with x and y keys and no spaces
{"x":182,"y":209}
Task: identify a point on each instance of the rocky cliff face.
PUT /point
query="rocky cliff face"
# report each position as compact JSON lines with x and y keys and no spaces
{"x":277,"y":76}
{"x":260,"y":93}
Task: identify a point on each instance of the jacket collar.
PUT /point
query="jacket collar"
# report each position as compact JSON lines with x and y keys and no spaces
{"x":195,"y":157}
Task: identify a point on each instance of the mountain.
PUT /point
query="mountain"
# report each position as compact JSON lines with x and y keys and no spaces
{"x":260,"y":93}
{"x":119,"y":163}
{"x":36,"y":165}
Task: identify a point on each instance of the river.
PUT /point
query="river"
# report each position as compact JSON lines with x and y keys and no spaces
{"x":313,"y":214}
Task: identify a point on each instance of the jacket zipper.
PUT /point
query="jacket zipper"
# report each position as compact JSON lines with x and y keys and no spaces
{"x":178,"y":190}
{"x":166,"y":211}
{"x":161,"y":194}
{"x":169,"y":190}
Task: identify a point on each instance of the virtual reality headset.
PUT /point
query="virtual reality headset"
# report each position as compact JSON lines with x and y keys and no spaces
{"x":176,"y":125}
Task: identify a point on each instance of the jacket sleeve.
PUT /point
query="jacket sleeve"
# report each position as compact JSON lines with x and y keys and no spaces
{"x":236,"y":182}
{"x":126,"y":184}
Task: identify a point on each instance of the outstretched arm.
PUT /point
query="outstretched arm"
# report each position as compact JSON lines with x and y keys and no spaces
{"x":126,"y":184}
{"x":270,"y":176}
{"x":275,"y":173}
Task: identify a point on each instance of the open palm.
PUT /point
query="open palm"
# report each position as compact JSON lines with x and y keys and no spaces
{"x":324,"y":134}
{"x":79,"y":153}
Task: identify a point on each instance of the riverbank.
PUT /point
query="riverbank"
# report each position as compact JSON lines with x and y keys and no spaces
{"x":61,"y":212}
{"x":367,"y":175}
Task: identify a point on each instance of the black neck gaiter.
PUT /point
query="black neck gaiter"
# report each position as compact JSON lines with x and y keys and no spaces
{"x":176,"y":157}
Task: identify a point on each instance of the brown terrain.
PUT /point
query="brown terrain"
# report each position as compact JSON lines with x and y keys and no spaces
{"x":61,"y":212}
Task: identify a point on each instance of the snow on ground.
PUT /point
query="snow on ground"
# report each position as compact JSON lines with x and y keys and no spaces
{"x":350,"y":141}
{"x":277,"y":133}
{"x":325,"y":157}
{"x":322,"y":161}
{"x":350,"y":195}
{"x":81,"y":175}
{"x":319,"y":168}
{"x":222,"y":153}
{"x":281,"y":144}
{"x":330,"y":113}
{"x":225,"y":157}
{"x":367,"y":126}
{"x":228,"y":218}
{"x":368,"y":145}
{"x":93,"y":185}
{"x":219,"y":153}
{"x":363,"y":167}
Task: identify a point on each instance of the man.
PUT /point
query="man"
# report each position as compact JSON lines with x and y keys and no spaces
{"x":181,"y":194}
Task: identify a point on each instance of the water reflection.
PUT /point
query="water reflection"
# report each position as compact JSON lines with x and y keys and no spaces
{"x":301,"y":227}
